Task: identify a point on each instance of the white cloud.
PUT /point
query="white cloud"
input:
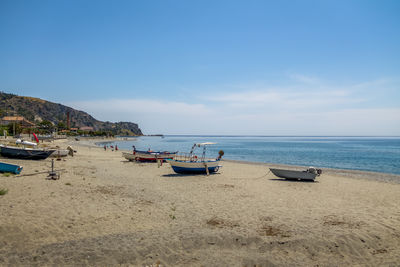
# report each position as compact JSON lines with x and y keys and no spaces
{"x":294,"y":99}
{"x":142,"y":106}
{"x":295,"y":110}
{"x":340,"y":122}
{"x":153,"y":116}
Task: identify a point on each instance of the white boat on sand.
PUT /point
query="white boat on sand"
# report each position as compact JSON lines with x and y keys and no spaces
{"x":310,"y":174}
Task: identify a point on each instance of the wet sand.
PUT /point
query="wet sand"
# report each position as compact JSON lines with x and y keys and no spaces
{"x":106,"y":211}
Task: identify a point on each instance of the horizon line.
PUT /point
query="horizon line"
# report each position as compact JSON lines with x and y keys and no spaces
{"x":249,"y":135}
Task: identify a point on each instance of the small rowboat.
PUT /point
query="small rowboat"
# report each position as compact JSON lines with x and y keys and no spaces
{"x":191,"y":164}
{"x":308,"y":174}
{"x":7,"y":167}
{"x":149,"y":156}
{"x":60,"y":153}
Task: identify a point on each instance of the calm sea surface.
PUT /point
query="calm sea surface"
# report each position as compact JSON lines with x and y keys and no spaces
{"x":380,"y":154}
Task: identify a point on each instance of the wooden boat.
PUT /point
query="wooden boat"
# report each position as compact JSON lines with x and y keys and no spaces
{"x":149,"y":156}
{"x":310,"y":174}
{"x":7,"y":167}
{"x":60,"y":153}
{"x":24,"y":153}
{"x":192,"y":164}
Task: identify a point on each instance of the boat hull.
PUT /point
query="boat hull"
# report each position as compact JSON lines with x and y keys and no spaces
{"x":60,"y":153}
{"x":24,"y":153}
{"x":6,"y":167}
{"x":187,"y":167}
{"x":294,"y":175}
{"x":148,"y":156}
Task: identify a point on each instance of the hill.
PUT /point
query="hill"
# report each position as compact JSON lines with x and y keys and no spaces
{"x":35,"y":109}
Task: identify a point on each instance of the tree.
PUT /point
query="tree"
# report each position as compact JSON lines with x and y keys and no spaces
{"x":14,"y":128}
{"x":28,"y":130}
{"x":61,"y":126}
{"x":2,"y":128}
{"x":46,"y":126}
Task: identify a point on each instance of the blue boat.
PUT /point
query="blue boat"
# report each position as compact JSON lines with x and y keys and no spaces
{"x":192,"y":164}
{"x":7,"y":167}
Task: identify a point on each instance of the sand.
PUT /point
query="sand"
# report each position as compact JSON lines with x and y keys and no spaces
{"x":106,"y":211}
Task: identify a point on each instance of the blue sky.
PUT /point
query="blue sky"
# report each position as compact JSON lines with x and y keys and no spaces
{"x":211,"y":67}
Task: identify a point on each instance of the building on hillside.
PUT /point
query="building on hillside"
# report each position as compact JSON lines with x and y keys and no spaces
{"x":86,"y":128}
{"x":17,"y":119}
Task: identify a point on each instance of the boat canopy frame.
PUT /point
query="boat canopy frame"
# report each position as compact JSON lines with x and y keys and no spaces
{"x":191,"y":155}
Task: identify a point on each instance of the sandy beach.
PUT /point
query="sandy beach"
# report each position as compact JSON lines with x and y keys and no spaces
{"x":106,"y":211}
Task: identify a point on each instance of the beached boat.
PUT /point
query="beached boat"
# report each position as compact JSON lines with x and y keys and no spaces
{"x":7,"y":167}
{"x":59,"y":153}
{"x":308,"y":174}
{"x":24,"y":153}
{"x":149,"y":155}
{"x":25,"y":143}
{"x":191,"y":163}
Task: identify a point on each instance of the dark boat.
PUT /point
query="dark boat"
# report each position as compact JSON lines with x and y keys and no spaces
{"x":24,"y":153}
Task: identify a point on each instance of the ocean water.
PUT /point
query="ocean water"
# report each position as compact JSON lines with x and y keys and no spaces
{"x":379,"y":154}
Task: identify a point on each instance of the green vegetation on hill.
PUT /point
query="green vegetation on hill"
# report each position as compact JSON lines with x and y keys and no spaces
{"x":36,"y":110}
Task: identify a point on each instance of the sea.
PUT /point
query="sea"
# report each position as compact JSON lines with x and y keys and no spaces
{"x":377,"y":154}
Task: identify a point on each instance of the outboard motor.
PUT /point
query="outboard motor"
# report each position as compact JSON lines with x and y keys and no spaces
{"x":312,"y":170}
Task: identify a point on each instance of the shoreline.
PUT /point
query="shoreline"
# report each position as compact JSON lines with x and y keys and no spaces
{"x":351,"y":173}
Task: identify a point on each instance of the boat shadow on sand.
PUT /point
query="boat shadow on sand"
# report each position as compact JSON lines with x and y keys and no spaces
{"x":187,"y":174}
{"x":138,"y":162}
{"x":294,"y":180}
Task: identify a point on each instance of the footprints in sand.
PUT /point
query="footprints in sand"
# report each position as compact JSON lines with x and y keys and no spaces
{"x":226,"y":186}
{"x":221,"y":223}
{"x":379,"y":251}
{"x":333,"y":220}
{"x":267,"y":228}
{"x":186,"y":248}
{"x":145,"y":202}
{"x":108,"y":190}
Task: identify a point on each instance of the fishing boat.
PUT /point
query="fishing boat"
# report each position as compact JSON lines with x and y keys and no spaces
{"x":7,"y":167}
{"x":191,"y":163}
{"x":59,"y":153}
{"x":152,"y":156}
{"x":25,"y":143}
{"x":310,"y":174}
{"x":24,"y":153}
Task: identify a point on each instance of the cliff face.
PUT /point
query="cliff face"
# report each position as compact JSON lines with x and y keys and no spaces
{"x":33,"y":108}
